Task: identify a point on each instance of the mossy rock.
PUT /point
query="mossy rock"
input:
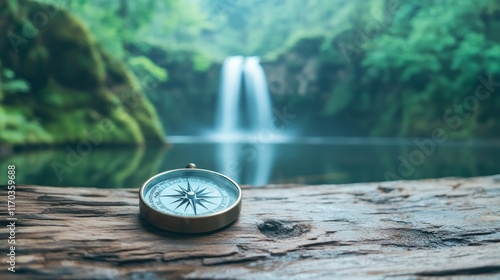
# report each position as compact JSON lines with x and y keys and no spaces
{"x":75,"y":86}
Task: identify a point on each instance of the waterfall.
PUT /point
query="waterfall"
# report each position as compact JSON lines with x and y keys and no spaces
{"x":229,"y":95}
{"x":242,"y":121}
{"x":258,"y":103}
{"x":257,"y":95}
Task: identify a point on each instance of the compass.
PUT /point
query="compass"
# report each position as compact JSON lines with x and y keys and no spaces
{"x":190,"y":200}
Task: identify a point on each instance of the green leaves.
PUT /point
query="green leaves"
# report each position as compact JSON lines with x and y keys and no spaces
{"x":393,"y":66}
{"x":143,"y":65}
{"x":10,"y":84}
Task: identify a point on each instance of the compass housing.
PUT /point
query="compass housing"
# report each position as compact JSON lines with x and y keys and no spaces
{"x":189,"y":223}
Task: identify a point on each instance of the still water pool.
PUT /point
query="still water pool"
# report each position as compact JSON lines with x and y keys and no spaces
{"x":305,"y":161}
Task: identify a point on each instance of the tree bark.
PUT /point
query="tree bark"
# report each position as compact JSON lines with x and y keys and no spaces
{"x":406,"y":229}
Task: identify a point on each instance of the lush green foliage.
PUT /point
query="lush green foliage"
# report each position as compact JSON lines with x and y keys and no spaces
{"x":59,"y":86}
{"x":130,"y":29}
{"x":382,"y":67}
{"x":378,"y":67}
{"x":419,"y":66}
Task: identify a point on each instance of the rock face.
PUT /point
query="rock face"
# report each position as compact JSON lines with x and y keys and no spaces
{"x":295,"y":72}
{"x":187,"y":101}
{"x":76,"y":90}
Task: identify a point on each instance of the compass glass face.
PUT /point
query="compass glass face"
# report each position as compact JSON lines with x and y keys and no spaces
{"x":191,"y":192}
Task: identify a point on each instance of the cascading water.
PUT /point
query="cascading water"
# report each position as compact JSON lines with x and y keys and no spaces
{"x":229,"y":114}
{"x":242,"y":144}
{"x":229,"y":95}
{"x":257,"y":95}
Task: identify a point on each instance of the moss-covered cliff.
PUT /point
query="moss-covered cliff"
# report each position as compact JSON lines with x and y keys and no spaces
{"x":77,"y":91}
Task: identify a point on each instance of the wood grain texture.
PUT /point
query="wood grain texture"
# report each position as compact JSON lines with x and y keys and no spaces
{"x":396,"y":230}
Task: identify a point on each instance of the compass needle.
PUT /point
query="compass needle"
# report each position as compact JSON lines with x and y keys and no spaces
{"x":190,"y":200}
{"x":199,"y":202}
{"x":204,"y":196}
{"x":173,"y":195}
{"x":193,"y":203}
{"x":187,"y":205}
{"x":180,"y":192}
{"x":201,"y":192}
{"x":180,"y":199}
{"x":182,"y":203}
{"x":204,"y":200}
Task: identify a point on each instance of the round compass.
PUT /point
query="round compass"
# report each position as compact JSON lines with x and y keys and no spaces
{"x":190,"y":200}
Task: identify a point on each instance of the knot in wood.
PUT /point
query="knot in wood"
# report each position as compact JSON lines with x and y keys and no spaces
{"x":282,"y":229}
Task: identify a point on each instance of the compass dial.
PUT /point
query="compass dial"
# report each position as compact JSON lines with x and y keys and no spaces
{"x":190,"y":200}
{"x":190,"y":196}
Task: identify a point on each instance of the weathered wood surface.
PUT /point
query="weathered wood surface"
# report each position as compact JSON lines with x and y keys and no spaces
{"x":396,"y":230}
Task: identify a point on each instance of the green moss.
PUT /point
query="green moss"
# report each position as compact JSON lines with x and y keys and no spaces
{"x":75,"y":87}
{"x":127,"y":128}
{"x":116,"y":71}
{"x":62,"y":98}
{"x":35,"y":66}
{"x":77,"y":61}
{"x":19,"y":130}
{"x":149,"y":125}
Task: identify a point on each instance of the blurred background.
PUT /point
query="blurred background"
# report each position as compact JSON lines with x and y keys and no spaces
{"x":265,"y":91}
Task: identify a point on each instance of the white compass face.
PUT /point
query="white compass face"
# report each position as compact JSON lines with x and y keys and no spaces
{"x":191,"y":193}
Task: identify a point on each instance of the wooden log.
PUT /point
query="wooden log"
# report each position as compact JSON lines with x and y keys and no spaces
{"x":406,"y":229}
